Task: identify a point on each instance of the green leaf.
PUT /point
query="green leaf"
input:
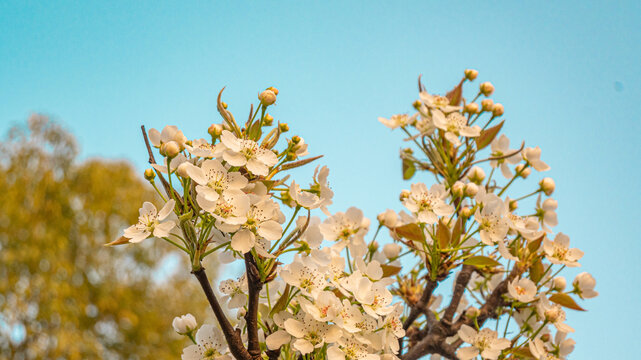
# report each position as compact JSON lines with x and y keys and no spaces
{"x":457,"y":231}
{"x":389,"y":270}
{"x":299,"y":163}
{"x":536,"y":271}
{"x":408,"y":169}
{"x":281,"y":304}
{"x":410,"y":232}
{"x":488,"y":135}
{"x":443,"y":235}
{"x":455,"y":95}
{"x":535,"y":245}
{"x":481,"y":261}
{"x":566,"y":300}
{"x":255,"y":131}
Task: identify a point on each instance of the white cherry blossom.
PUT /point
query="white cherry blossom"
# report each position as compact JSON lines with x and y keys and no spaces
{"x":559,"y":252}
{"x":501,"y":147}
{"x":210,"y":345}
{"x":244,"y":152}
{"x":150,"y":222}
{"x":533,"y":157}
{"x":311,"y":334}
{"x":484,"y":342}
{"x":584,"y":283}
{"x":523,"y":290}
{"x":428,"y":205}
{"x":455,"y":125}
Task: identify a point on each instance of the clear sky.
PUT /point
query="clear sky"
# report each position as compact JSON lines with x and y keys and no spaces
{"x":568,"y":73}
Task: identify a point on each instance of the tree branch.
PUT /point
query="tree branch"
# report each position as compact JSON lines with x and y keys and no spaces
{"x":459,"y":288}
{"x":422,"y":303}
{"x":233,"y":338}
{"x":251,"y":316}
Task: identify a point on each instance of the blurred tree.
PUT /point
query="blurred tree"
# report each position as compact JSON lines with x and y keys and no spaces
{"x":62,"y":294}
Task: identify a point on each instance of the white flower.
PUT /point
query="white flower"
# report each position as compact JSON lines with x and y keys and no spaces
{"x":553,"y":313}
{"x":392,"y":329}
{"x":584,"y":283}
{"x":501,"y":147}
{"x":374,"y":297}
{"x":202,"y":148}
{"x":173,"y":164}
{"x":428,"y":205}
{"x":324,"y":308}
{"x":436,"y":103}
{"x":392,"y":250}
{"x":539,"y":351}
{"x":455,"y":125}
{"x":350,"y":348}
{"x":546,"y":213}
{"x":213,"y":179}
{"x":311,"y":334}
{"x":492,"y":220}
{"x":184,"y":324}
{"x":528,"y":227}
{"x":248,"y":153}
{"x":235,"y":291}
{"x":559,"y":252}
{"x":484,"y":342}
{"x":318,"y":196}
{"x":400,"y":120}
{"x":343,"y":226}
{"x":261,"y":220}
{"x":210,"y":345}
{"x":523,"y":290}
{"x":150,"y":222}
{"x":169,"y":133}
{"x":230,"y":208}
{"x":533,"y":157}
{"x":303,"y":274}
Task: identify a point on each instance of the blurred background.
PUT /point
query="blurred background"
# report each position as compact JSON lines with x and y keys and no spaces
{"x":568,"y":75}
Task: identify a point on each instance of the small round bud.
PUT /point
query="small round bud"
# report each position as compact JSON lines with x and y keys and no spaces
{"x":497,"y":109}
{"x":283,"y":127}
{"x":215,"y":130}
{"x":182,"y":170}
{"x":523,"y":171}
{"x":391,"y":251}
{"x":295,"y":139}
{"x":268,"y":120}
{"x":170,"y":149}
{"x":404,"y":195}
{"x":472,"y":312}
{"x":408,"y":151}
{"x":547,"y":185}
{"x":487,"y":88}
{"x":487,"y":104}
{"x":458,"y":188}
{"x":513,"y":205}
{"x":373,"y":246}
{"x":224,"y":105}
{"x":267,"y":97}
{"x":273,"y":89}
{"x":471,"y":189}
{"x":545,"y":338}
{"x":471,"y":74}
{"x":291,"y":156}
{"x":476,"y":175}
{"x":472,"y":108}
{"x":466,"y":212}
{"x":417,"y":104}
{"x":387,"y":218}
{"x":150,"y":174}
{"x":559,"y":283}
{"x":184,"y":324}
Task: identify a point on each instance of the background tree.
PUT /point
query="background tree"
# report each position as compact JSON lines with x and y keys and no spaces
{"x":62,"y":294}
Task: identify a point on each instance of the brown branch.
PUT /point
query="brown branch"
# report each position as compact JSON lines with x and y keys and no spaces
{"x":422,"y":303}
{"x":433,"y":343}
{"x":459,"y":288}
{"x":251,"y":316}
{"x":273,"y":354}
{"x":233,"y":338}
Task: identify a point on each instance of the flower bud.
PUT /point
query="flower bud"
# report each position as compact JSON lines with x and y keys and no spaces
{"x":373,"y":246}
{"x":547,"y":185}
{"x":150,"y":174}
{"x":224,"y":105}
{"x":471,"y":74}
{"x":471,"y":189}
{"x":283,"y":127}
{"x":476,"y":175}
{"x":268,"y":120}
{"x":559,"y":283}
{"x":458,"y":188}
{"x":472,"y":108}
{"x":545,"y":338}
{"x":182,"y":170}
{"x":273,"y":89}
{"x":267,"y":97}
{"x":404,"y":195}
{"x":487,"y":104}
{"x":170,"y":149}
{"x":497,"y":109}
{"x":487,"y":88}
{"x":472,"y":312}
{"x":417,"y":104}
{"x":391,"y":251}
{"x":523,"y":171}
{"x":513,"y":205}
{"x":184,"y":324}
{"x":584,"y":283}
{"x":466,"y":212}
{"x":295,"y":139}
{"x":387,"y":218}
{"x":215,"y":130}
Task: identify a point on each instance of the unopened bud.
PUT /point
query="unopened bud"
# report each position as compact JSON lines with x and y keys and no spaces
{"x":283,"y":127}
{"x":215,"y":130}
{"x":497,"y":109}
{"x":472,"y":312}
{"x":513,"y":204}
{"x":387,"y":218}
{"x":170,"y":149}
{"x":267,"y":97}
{"x":471,"y":189}
{"x":471,"y":74}
{"x":523,"y":171}
{"x":150,"y":174}
{"x":184,"y":324}
{"x":182,"y":170}
{"x":458,"y":188}
{"x":545,"y":338}
{"x":291,"y":156}
{"x":547,"y":185}
{"x":404,"y":195}
{"x":476,"y":175}
{"x":559,"y":283}
{"x":268,"y":120}
{"x":472,"y":108}
{"x":487,"y":104}
{"x":466,"y":212}
{"x":295,"y":139}
{"x":273,"y":89}
{"x":391,"y":251}
{"x":373,"y":246}
{"x":417,"y":104}
{"x":408,"y":151}
{"x":487,"y":88}
{"x":224,"y":105}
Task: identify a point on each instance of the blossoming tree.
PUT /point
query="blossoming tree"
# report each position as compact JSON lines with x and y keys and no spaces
{"x":325,"y":289}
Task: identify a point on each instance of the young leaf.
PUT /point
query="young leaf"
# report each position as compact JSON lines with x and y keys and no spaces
{"x":536,"y":271}
{"x":281,"y":304}
{"x":488,"y":135}
{"x":389,"y":270}
{"x":408,"y":169}
{"x":481,"y":261}
{"x":457,"y":231}
{"x":455,"y":95}
{"x":443,"y":235}
{"x":299,"y":163}
{"x":411,"y":232}
{"x":566,"y":300}
{"x":534,"y":245}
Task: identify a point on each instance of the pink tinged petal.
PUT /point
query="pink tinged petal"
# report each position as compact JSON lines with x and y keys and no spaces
{"x":243,"y":241}
{"x":230,"y":141}
{"x":550,"y":218}
{"x":427,"y":217}
{"x":234,"y":158}
{"x":197,"y":174}
{"x":277,"y":339}
{"x":354,"y":214}
{"x":154,"y":137}
{"x":295,"y":327}
{"x":167,"y":209}
{"x":257,"y":168}
{"x":576,"y":254}
{"x":467,"y":333}
{"x":163,"y":229}
{"x":467,"y":353}
{"x":304,"y":346}
{"x":270,"y":230}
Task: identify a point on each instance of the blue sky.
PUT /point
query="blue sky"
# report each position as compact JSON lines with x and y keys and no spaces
{"x":568,"y":74}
